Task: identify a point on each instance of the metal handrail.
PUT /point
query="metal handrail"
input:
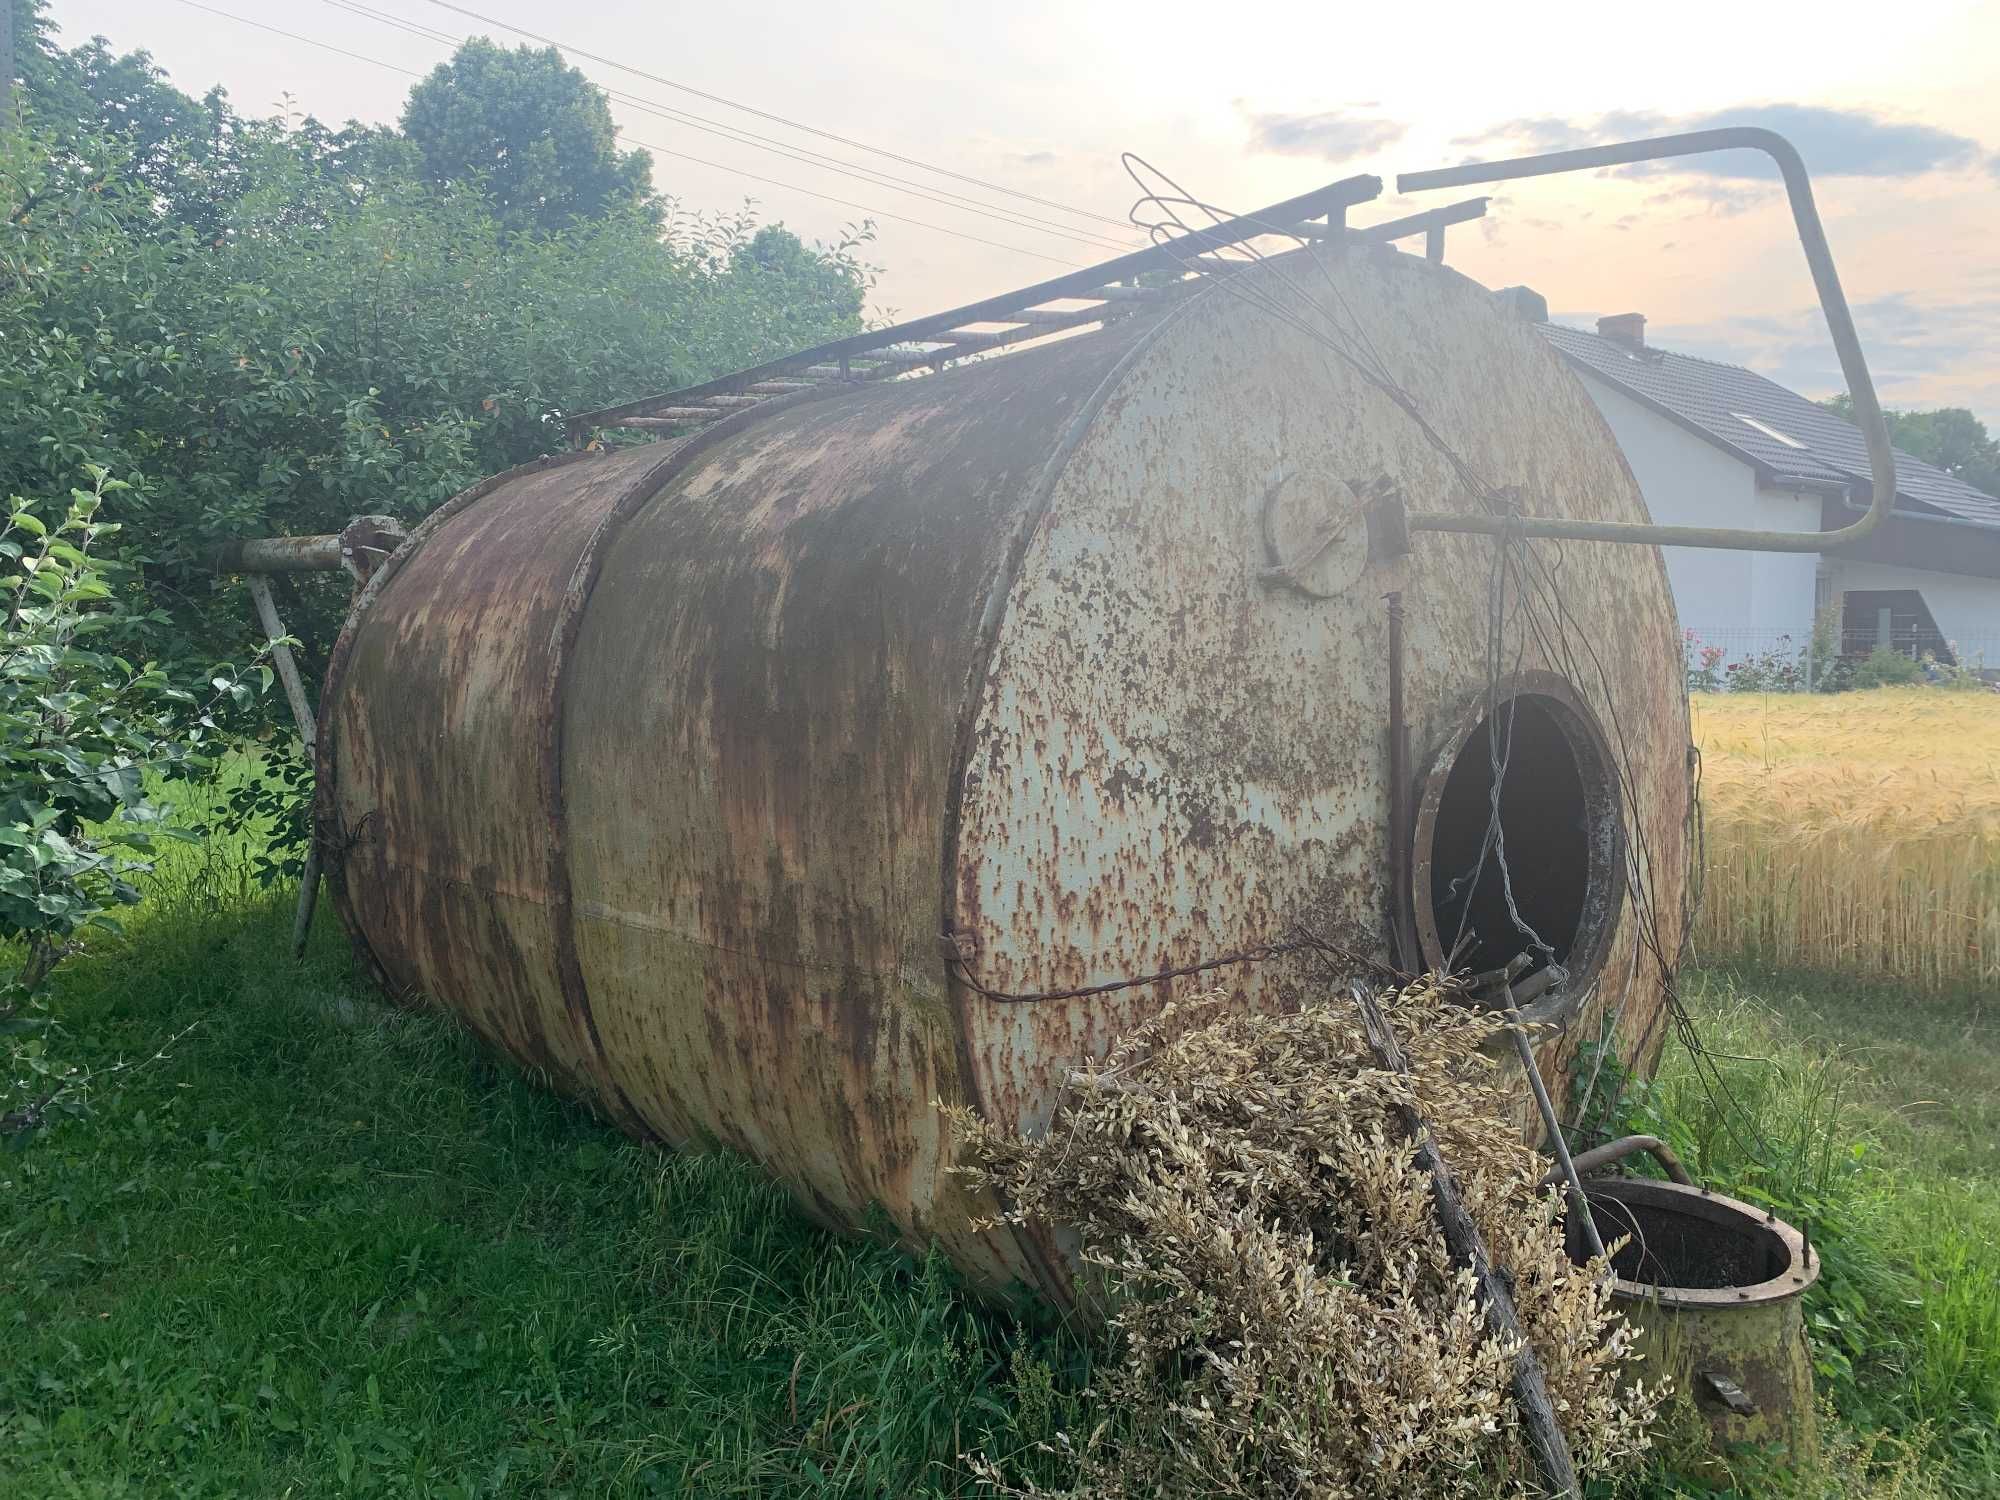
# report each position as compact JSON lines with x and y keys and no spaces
{"x":1832,"y":301}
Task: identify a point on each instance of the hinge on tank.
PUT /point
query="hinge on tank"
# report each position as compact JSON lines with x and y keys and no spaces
{"x":1732,"y":1395}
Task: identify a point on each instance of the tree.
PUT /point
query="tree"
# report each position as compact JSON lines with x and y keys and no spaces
{"x":534,"y":133}
{"x":1949,"y":437}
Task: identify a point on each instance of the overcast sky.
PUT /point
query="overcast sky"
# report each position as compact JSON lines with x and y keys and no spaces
{"x":1896,"y":109}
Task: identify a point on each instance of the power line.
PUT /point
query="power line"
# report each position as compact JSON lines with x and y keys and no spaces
{"x":941,"y":196}
{"x":849,"y":203}
{"x":309,"y":41}
{"x":684,"y":156}
{"x":764,"y":114}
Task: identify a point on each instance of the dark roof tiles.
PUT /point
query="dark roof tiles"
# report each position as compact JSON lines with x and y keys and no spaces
{"x":1714,"y":398}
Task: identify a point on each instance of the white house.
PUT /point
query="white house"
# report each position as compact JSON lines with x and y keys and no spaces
{"x":1718,"y":445}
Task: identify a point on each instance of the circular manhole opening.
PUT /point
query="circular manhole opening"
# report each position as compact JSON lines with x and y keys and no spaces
{"x":1539,"y":868}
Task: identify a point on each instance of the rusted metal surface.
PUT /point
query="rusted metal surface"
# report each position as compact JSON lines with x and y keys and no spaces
{"x":360,"y":547}
{"x":669,"y":768}
{"x":1599,"y":1158}
{"x":1171,"y":760}
{"x":1715,"y":1288}
{"x":439,"y":805}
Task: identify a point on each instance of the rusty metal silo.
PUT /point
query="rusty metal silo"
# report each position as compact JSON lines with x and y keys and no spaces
{"x":678,"y":770}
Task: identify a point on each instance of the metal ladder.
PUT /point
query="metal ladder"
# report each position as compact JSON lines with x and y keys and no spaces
{"x":1105,"y":292}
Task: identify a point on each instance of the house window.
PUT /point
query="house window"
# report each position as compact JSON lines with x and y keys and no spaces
{"x":1896,"y":618}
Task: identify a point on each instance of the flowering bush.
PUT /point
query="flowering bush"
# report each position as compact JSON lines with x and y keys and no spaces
{"x":1776,"y":669}
{"x":1704,"y":664}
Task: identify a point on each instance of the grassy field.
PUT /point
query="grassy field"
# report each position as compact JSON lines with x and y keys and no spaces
{"x":322,"y":1247}
{"x":1857,"y":832}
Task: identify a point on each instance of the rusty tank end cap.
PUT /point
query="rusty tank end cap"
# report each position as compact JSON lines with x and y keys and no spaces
{"x":1791,"y":1279}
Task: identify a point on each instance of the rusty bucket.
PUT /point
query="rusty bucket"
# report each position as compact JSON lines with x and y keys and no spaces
{"x":1714,"y":1288}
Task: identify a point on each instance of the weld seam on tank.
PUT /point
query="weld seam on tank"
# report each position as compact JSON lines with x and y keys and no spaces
{"x":327,"y":833}
{"x":640,"y":492}
{"x":1050,"y":1263}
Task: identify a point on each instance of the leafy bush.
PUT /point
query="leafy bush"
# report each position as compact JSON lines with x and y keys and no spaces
{"x":270,"y":326}
{"x":1703,"y":662}
{"x":1887,"y":667}
{"x":85,"y":736}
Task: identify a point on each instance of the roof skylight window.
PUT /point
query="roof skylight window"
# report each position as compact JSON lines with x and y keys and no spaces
{"x":1768,"y":430}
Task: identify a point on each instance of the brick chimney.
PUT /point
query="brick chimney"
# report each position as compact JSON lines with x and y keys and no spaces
{"x":1628,"y":329}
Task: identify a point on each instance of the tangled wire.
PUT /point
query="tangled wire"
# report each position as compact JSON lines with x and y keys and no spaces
{"x":1286,"y":1317}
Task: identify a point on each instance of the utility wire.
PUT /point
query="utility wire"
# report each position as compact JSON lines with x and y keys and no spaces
{"x":941,"y":196}
{"x":684,"y":156}
{"x":309,"y":41}
{"x":763,"y":114}
{"x":878,"y":213}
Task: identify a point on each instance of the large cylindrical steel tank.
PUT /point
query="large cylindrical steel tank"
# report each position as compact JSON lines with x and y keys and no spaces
{"x":676,"y":770}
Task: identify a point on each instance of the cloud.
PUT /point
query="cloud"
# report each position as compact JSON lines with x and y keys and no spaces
{"x":1551,"y":133}
{"x":1834,"y":142}
{"x":1711,"y":198}
{"x":1032,"y":158}
{"x":1330,"y":136}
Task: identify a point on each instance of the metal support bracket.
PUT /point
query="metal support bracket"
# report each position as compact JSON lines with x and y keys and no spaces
{"x":1832,"y":301}
{"x":357,"y":549}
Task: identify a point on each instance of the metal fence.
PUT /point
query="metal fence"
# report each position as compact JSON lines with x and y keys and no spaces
{"x":1770,"y":651}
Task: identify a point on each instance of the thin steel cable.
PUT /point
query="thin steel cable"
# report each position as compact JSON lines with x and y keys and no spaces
{"x":874,"y":178}
{"x":778,"y":119}
{"x":878,"y":213}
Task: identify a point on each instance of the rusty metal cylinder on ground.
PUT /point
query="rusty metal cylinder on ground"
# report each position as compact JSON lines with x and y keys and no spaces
{"x":736,"y":783}
{"x":1715,"y":1289}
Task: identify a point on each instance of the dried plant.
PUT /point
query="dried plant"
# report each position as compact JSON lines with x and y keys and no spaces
{"x":1286,"y":1319}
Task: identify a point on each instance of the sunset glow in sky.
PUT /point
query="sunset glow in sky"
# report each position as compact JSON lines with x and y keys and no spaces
{"x":1896,"y":110}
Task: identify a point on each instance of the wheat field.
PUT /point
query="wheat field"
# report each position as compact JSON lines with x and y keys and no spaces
{"x":1854,"y":831}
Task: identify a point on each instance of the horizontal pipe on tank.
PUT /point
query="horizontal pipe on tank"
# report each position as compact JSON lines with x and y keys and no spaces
{"x":1436,"y":218}
{"x":279,"y":554}
{"x":1644,"y":533}
{"x":358,"y":547}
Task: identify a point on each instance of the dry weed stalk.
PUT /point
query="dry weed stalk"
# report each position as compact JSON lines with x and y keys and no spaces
{"x":1287,"y":1320}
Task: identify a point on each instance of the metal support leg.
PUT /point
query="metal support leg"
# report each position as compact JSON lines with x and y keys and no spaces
{"x":302,"y":715}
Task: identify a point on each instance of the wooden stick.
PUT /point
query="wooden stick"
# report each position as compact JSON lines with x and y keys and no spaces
{"x":1468,"y":1247}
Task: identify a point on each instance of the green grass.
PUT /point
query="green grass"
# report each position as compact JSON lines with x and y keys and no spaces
{"x":1872,"y":1118}
{"x":325,"y":1247}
